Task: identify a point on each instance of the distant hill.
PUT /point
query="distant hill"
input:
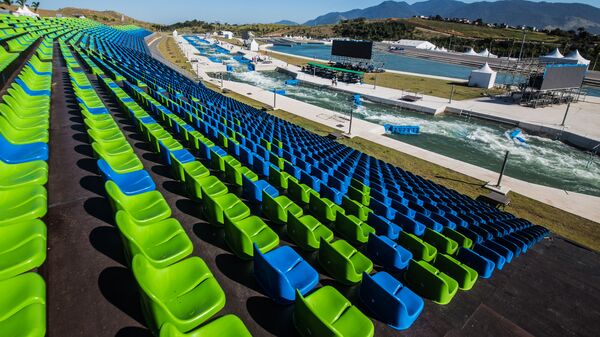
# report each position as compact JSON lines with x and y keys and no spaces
{"x":387,"y":9}
{"x":513,"y":12}
{"x":287,"y":23}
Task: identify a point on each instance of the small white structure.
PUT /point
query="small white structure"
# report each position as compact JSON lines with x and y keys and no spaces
{"x":484,"y":77}
{"x":175,"y":34}
{"x":575,"y":58}
{"x":226,"y":34}
{"x":25,"y":11}
{"x":471,"y":52}
{"x":486,"y":53}
{"x":254,"y":45}
{"x":554,"y":57}
{"x":417,"y":44}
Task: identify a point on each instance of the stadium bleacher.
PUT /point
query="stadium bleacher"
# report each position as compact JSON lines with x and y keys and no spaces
{"x":253,"y":175}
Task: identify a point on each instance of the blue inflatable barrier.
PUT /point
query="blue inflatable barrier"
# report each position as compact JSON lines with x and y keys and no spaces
{"x":357,"y":100}
{"x":279,"y":92}
{"x":402,"y":129}
{"x":291,"y":82}
{"x":229,"y":68}
{"x":251,"y":67}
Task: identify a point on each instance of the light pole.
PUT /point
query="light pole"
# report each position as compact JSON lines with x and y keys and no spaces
{"x":522,"y":46}
{"x":503,"y":168}
{"x":566,"y":113}
{"x":452,"y":94}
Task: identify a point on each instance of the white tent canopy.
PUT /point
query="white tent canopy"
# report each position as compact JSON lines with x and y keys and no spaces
{"x":471,"y":52}
{"x":484,"y":77}
{"x":25,"y":11}
{"x":554,"y":57}
{"x":486,"y":53}
{"x":576,"y":57}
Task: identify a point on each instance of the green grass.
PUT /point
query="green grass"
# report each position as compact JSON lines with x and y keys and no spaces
{"x":427,"y":86}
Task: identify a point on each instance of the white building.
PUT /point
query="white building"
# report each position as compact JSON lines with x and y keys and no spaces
{"x":483,"y":77}
{"x":417,"y":44}
{"x":254,"y":45}
{"x":226,"y":34}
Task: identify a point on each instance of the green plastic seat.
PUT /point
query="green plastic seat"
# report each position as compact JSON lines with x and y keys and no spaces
{"x":440,"y":242}
{"x":240,"y":235}
{"x":298,"y":192}
{"x":23,"y":203}
{"x":306,"y":232}
{"x":464,"y":275}
{"x":162,"y":243}
{"x":23,"y":122}
{"x":279,"y":178}
{"x":234,"y":173}
{"x":198,"y":178}
{"x":355,"y":208}
{"x":359,"y":196}
{"x":22,"y":136}
{"x":184,"y":294}
{"x":323,"y":209}
{"x":343,"y":262}
{"x":462,"y":240}
{"x":327,"y":313}
{"x":226,"y":326}
{"x":102,"y":136}
{"x":24,"y":174}
{"x":22,"y":247}
{"x":112,"y":148}
{"x":121,"y":163}
{"x":278,"y":208}
{"x":215,"y":208}
{"x":353,"y":229}
{"x":429,"y":282}
{"x":23,"y":306}
{"x":420,"y":249}
{"x":144,"y":208}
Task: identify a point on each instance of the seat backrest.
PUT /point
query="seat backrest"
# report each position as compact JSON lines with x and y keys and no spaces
{"x":270,"y":277}
{"x":311,"y":323}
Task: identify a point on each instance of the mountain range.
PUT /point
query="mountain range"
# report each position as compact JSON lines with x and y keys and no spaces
{"x":512,"y":12}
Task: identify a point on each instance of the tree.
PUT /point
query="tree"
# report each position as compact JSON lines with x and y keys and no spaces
{"x":35,"y":5}
{"x":21,"y":3}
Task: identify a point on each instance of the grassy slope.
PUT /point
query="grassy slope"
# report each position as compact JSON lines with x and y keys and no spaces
{"x":170,"y":51}
{"x":471,"y":31}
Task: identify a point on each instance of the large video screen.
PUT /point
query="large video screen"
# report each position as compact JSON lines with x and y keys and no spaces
{"x":355,"y":49}
{"x":563,"y":76}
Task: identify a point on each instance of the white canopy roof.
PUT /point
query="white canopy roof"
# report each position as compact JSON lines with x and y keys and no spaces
{"x":486,"y":53}
{"x":575,"y":56}
{"x":555,"y":54}
{"x":471,"y":52}
{"x":24,"y":11}
{"x":485,"y":69}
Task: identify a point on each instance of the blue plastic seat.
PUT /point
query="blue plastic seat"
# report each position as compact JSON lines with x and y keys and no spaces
{"x":482,"y":265}
{"x":131,"y":183}
{"x":390,"y":300}
{"x":383,"y":226}
{"x":281,"y":271}
{"x":253,"y":190}
{"x":409,"y":225}
{"x":21,"y":153}
{"x":491,"y":255}
{"x":387,"y":253}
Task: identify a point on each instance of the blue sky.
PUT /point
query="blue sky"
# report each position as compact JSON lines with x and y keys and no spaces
{"x":232,"y":11}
